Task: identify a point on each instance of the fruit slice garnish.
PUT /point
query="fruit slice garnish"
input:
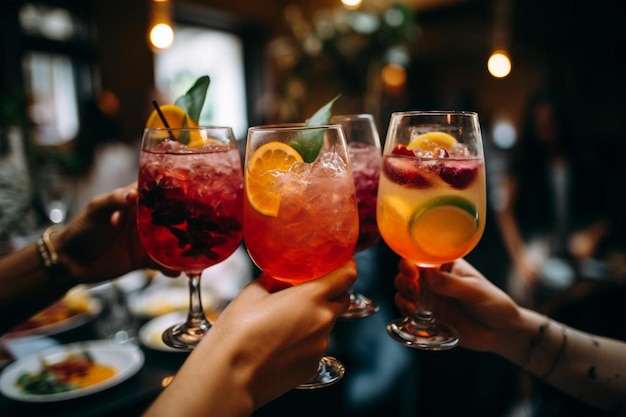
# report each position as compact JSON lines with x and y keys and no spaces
{"x":394,"y":212}
{"x":430,"y":141}
{"x":260,"y":177}
{"x":443,"y":225}
{"x":174,"y":115}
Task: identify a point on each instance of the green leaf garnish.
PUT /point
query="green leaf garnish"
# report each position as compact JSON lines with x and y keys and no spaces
{"x":309,"y":143}
{"x":193,"y":100}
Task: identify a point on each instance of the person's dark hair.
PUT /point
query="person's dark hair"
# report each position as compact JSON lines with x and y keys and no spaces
{"x":563,"y":141}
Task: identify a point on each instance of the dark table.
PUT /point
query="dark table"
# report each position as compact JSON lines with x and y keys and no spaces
{"x":129,"y":398}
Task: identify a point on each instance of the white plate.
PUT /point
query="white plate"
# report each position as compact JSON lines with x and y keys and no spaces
{"x":150,"y":333}
{"x":126,"y":359}
{"x":72,"y":322}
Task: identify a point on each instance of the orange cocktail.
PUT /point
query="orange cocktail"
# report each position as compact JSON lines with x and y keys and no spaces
{"x":431,"y":206}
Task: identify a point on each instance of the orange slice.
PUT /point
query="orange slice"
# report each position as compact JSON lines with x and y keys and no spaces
{"x":260,"y":175}
{"x":430,"y":141}
{"x":443,"y":225}
{"x":175,"y":116}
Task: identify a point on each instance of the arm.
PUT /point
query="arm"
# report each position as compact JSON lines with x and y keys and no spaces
{"x":100,"y":243}
{"x":510,"y":232}
{"x":588,"y":367}
{"x":262,"y":345}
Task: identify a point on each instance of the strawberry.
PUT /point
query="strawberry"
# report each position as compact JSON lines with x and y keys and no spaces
{"x":402,"y":150}
{"x":403,"y":171}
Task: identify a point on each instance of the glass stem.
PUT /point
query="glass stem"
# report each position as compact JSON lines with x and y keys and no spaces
{"x":423,"y":313}
{"x":196,"y":319}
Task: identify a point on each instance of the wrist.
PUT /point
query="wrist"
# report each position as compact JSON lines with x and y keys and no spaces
{"x":213,"y":364}
{"x":536,"y":343}
{"x":57,"y":266}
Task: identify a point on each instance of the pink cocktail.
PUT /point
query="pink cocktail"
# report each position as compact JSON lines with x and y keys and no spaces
{"x":366,"y":159}
{"x":190,"y":209}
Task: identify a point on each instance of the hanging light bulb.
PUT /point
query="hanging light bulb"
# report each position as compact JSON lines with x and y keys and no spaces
{"x":351,"y":4}
{"x":499,"y":64}
{"x":161,"y":31}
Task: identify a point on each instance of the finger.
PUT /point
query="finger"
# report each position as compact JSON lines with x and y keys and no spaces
{"x":405,"y":305}
{"x":407,"y":267}
{"x":340,"y":303}
{"x":457,"y":286}
{"x":102,"y":207}
{"x":336,"y":282}
{"x":271,"y":284}
{"x":406,"y":284}
{"x":446,"y":267}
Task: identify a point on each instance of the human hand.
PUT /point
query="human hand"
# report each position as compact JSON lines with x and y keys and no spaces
{"x":290,"y":327}
{"x":101,"y":242}
{"x":462,"y":297}
{"x":262,"y":345}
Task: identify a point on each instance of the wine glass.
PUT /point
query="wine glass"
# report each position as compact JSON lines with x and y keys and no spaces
{"x":190,"y":209}
{"x":300,"y":212}
{"x":431,"y":206}
{"x":365,"y":158}
{"x":55,"y":192}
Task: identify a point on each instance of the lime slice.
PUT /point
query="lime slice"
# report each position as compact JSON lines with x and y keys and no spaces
{"x":444,"y":225}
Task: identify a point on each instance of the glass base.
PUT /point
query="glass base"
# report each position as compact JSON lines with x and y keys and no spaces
{"x":360,"y":307}
{"x":329,"y":371}
{"x":427,"y":336}
{"x":180,"y":336}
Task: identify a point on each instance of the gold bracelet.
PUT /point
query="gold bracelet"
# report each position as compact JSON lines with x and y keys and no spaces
{"x":57,"y":272}
{"x":50,"y":249}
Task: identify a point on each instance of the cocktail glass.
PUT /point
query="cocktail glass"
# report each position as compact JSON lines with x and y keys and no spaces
{"x":431,"y":206}
{"x":300,"y":212}
{"x":189,"y":214}
{"x":366,"y":158}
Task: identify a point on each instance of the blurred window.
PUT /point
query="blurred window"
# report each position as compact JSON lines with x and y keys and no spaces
{"x":47,"y":21}
{"x":50,"y":83}
{"x":53,"y":62}
{"x":198,"y":51}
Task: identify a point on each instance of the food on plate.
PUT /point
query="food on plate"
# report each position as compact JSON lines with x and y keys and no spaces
{"x":77,"y":370}
{"x":76,"y":301}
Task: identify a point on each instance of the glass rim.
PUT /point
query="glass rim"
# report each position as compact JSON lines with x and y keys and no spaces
{"x":349,"y":116}
{"x":167,"y":129}
{"x":435,"y":113}
{"x":286,"y":127}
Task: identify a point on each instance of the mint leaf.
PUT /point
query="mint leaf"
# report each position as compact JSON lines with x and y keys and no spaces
{"x":193,"y":100}
{"x":309,"y":143}
{"x":322,"y":116}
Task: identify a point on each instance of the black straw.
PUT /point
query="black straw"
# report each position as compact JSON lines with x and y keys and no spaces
{"x":163,"y":119}
{"x":160,"y":113}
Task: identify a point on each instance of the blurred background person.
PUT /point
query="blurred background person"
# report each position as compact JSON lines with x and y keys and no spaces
{"x":552,"y":215}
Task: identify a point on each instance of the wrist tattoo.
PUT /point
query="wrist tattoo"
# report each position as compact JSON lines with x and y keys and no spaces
{"x":536,"y":341}
{"x":558,"y":354}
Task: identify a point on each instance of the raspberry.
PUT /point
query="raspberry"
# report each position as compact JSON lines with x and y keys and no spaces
{"x":459,"y":176}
